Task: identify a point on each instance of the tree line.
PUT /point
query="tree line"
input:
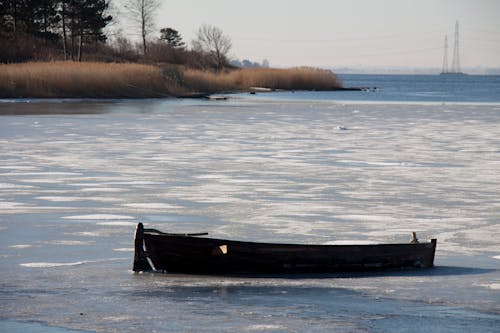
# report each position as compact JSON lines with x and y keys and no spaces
{"x":44,"y":24}
{"x":75,"y":30}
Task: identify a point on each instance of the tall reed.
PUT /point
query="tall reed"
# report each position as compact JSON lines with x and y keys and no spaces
{"x":300,"y":78}
{"x":84,"y":80}
{"x":129,"y":80}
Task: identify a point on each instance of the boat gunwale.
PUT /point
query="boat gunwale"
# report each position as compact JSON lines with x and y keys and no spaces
{"x":240,"y":242}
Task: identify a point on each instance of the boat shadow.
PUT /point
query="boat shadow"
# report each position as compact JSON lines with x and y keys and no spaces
{"x":429,"y":272}
{"x":317,"y":287}
{"x":434,"y":271}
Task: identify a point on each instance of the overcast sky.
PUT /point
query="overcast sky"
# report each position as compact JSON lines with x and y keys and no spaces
{"x":407,"y":33}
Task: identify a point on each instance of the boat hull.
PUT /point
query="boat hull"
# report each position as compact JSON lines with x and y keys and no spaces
{"x":200,"y":255}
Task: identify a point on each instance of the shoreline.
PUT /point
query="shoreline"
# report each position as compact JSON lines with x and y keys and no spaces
{"x":194,"y":95}
{"x":64,"y":79}
{"x":28,"y":103}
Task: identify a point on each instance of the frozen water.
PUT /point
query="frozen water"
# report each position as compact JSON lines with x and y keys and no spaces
{"x":99,"y":217}
{"x":77,"y":177}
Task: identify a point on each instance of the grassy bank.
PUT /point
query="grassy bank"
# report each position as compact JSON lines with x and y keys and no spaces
{"x":86,"y":79}
{"x":301,"y":78}
{"x":130,"y":80}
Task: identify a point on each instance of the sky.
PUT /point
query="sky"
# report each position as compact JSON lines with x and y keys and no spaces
{"x":345,"y":33}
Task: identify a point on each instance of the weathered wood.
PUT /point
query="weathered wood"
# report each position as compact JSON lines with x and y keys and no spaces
{"x":199,"y":255}
{"x":141,"y":262}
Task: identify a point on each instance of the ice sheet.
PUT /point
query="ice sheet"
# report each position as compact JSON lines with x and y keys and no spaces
{"x":74,"y":187}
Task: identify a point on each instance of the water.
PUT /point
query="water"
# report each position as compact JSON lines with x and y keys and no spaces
{"x":408,"y":88}
{"x":77,"y":176}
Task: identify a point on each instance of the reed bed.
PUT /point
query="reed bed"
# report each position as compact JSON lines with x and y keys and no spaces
{"x":300,"y":78}
{"x":81,"y":80}
{"x":129,"y":80}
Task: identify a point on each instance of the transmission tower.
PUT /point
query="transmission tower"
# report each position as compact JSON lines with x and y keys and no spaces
{"x":455,"y":65}
{"x":445,"y":57}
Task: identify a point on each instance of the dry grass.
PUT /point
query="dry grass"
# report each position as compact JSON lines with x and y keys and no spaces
{"x":118,"y":80}
{"x":300,"y":78}
{"x":83,"y":80}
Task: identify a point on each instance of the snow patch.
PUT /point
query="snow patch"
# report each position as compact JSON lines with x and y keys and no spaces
{"x":124,"y":249}
{"x":103,"y":189}
{"x":69,"y":242}
{"x":494,"y":286}
{"x":13,"y":186}
{"x":18,"y":167}
{"x":60,"y":198}
{"x":64,"y":264}
{"x":21,"y":246}
{"x":264,"y":327}
{"x":53,"y":264}
{"x":99,"y":217}
{"x":371,"y":218}
{"x":11,"y":205}
{"x":151,"y":205}
{"x":48,"y":173}
{"x":117,"y":223}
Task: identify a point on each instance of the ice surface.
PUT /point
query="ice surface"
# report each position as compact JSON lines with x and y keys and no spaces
{"x":20,"y":246}
{"x":74,"y":186}
{"x":52,"y":264}
{"x":151,"y":205}
{"x":124,"y":249}
{"x":117,"y":223}
{"x":61,"y":198}
{"x":495,"y":286}
{"x":99,"y":217}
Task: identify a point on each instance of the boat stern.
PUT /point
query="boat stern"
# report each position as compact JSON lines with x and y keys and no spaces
{"x":141,"y":263}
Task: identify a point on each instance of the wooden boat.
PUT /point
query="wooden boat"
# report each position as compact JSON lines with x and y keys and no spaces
{"x":193,"y":254}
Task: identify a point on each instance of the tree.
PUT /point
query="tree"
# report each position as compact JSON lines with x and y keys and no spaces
{"x":142,"y":12}
{"x":212,"y":41}
{"x":10,"y":11}
{"x":43,"y":19}
{"x":93,"y":20}
{"x":31,"y":28}
{"x":37,"y":18}
{"x":86,"y":21}
{"x":62,"y":12}
{"x":172,"y":37}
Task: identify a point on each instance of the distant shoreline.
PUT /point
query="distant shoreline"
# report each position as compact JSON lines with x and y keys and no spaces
{"x":65,"y":79}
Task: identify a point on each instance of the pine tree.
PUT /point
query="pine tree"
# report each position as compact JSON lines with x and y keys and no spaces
{"x":172,"y":37}
{"x":86,"y":20}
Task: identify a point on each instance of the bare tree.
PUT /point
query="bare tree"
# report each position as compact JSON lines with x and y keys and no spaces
{"x":142,"y":12}
{"x":212,"y":41}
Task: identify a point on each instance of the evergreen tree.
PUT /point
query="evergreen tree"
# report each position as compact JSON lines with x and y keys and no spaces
{"x":33,"y":17}
{"x":3,"y":23}
{"x":26,"y":24}
{"x":11,"y":16}
{"x":43,"y":19}
{"x":172,"y":37}
{"x":85,"y":20}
